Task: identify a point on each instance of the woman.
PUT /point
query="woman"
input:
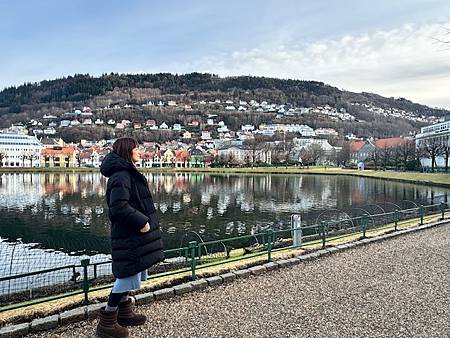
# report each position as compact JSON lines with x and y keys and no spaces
{"x":135,"y":236}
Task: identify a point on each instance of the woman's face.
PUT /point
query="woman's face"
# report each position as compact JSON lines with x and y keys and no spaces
{"x":135,"y":155}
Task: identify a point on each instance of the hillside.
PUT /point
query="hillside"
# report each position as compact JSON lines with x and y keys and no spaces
{"x":375,"y":115}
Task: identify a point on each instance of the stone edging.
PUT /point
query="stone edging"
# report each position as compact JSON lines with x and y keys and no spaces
{"x":93,"y":310}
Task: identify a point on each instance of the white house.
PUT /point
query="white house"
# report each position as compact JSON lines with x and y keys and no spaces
{"x":222,"y":129}
{"x":247,"y":127}
{"x":326,"y":132}
{"x":206,"y":135}
{"x":241,"y":154}
{"x":49,"y":117}
{"x":64,"y":123}
{"x":49,"y":131}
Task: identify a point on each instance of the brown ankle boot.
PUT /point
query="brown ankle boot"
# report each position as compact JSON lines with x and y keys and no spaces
{"x":127,"y":317}
{"x":108,"y":327}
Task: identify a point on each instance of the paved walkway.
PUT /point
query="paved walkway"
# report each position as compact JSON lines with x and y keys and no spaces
{"x":396,"y":288}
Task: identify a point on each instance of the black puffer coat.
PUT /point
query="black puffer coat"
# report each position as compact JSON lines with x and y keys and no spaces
{"x":130,"y":206}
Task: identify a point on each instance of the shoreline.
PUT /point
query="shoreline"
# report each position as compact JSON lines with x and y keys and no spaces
{"x":432,"y":179}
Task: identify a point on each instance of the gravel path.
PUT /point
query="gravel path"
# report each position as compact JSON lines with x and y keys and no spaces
{"x":395,"y":288}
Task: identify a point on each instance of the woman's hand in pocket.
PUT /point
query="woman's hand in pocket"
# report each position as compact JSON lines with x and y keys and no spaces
{"x":146,"y":228}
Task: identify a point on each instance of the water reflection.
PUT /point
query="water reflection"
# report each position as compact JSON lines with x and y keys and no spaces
{"x":67,"y":212}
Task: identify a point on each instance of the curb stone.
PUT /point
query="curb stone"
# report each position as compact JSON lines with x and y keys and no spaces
{"x":199,"y":284}
{"x":46,"y":323}
{"x":323,"y":252}
{"x":294,"y":261}
{"x":164,"y":293}
{"x":228,"y":277}
{"x":144,"y":298}
{"x":242,"y":273}
{"x":93,"y":310}
{"x":214,"y":280}
{"x":333,"y":249}
{"x":342,"y":246}
{"x":257,"y":270}
{"x":13,"y":331}
{"x":314,"y":255}
{"x":183,"y":288}
{"x":271,"y":266}
{"x":72,"y":316}
{"x":283,"y":263}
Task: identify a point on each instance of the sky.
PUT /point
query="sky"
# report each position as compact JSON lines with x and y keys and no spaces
{"x":391,"y":48}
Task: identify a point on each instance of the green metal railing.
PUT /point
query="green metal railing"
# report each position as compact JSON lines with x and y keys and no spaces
{"x":267,"y":243}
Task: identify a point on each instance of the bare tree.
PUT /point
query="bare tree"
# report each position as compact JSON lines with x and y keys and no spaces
{"x":312,"y":154}
{"x":431,"y":147}
{"x":375,"y":157}
{"x":343,"y":155}
{"x":3,"y":156}
{"x":317,"y":152}
{"x":446,"y":39}
{"x":279,"y":154}
{"x":253,"y":146}
{"x":404,"y":153}
{"x":446,"y":153}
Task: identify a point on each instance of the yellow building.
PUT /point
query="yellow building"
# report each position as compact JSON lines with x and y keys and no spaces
{"x":58,"y":157}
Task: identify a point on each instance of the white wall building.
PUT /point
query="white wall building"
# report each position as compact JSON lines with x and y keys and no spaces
{"x":19,"y":150}
{"x":439,"y":132}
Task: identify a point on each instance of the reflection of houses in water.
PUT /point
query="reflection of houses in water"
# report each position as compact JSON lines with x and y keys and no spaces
{"x":88,"y":184}
{"x":181,"y":182}
{"x":249,"y":193}
{"x":58,"y":183}
{"x":168,"y":183}
{"x":19,"y":191}
{"x":223,"y":203}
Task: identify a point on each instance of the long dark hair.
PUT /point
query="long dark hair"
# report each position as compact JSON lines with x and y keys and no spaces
{"x":124,"y":146}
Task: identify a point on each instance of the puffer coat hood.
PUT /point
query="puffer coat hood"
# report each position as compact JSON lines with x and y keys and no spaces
{"x":113,"y":163}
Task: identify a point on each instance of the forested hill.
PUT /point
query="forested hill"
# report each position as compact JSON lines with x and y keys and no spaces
{"x":80,"y":89}
{"x":142,"y":97}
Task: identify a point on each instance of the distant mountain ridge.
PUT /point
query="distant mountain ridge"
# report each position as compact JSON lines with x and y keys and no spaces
{"x":372,"y":115}
{"x":82,"y":87}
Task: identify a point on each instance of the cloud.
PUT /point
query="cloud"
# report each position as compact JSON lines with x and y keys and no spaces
{"x":406,"y":61}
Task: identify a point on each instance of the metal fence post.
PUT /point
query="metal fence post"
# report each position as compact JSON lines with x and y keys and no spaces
{"x":296,"y":224}
{"x":85,"y":264}
{"x":269,"y":244}
{"x":396,"y":218}
{"x":421,"y":214}
{"x":443,"y":206}
{"x":364,"y":222}
{"x":193,"y":249}
{"x":322,"y":233}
